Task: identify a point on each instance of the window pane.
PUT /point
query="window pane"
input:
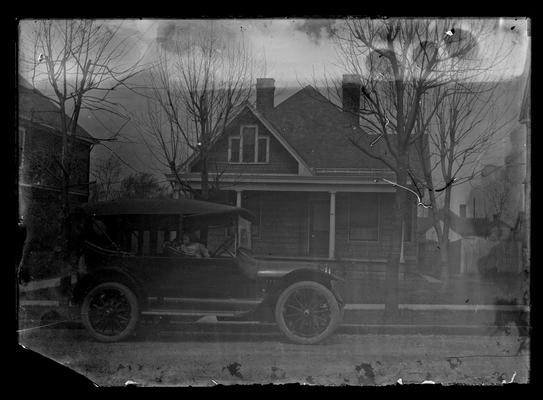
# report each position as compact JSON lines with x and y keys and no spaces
{"x":234,"y":150}
{"x":262,"y":149}
{"x":364,"y":217}
{"x":248,"y":144}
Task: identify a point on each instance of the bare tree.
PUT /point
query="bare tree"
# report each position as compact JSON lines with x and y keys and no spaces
{"x":106,"y":174}
{"x":82,"y":63}
{"x":456,"y":125}
{"x":494,"y":193}
{"x":141,"y":185}
{"x":399,"y":62}
{"x":166,"y":144}
{"x":197,"y":84}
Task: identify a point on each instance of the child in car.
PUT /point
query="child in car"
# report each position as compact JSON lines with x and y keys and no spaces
{"x":191,"y":247}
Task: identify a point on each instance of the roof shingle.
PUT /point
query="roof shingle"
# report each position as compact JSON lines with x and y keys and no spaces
{"x":319,"y":131}
{"x":35,"y":106}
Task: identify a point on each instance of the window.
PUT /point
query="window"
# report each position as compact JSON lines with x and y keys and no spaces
{"x":262,"y":147}
{"x":249,"y":147}
{"x":248,"y":135}
{"x":364,"y":217}
{"x":233,"y":149}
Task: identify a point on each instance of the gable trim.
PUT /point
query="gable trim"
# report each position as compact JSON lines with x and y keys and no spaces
{"x":87,"y":139}
{"x":303,"y":167}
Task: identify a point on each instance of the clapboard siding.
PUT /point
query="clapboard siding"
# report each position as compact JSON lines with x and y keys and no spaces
{"x":346,"y":248}
{"x":283,"y":229}
{"x":41,"y":155}
{"x":280,"y":160}
{"x":284,"y":224}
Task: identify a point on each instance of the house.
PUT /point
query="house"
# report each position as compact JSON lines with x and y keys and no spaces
{"x":39,"y":144}
{"x":316,"y":197}
{"x":460,"y":225}
{"x":525,"y":119}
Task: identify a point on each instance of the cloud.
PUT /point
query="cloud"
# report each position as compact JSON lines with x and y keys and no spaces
{"x":171,"y":33}
{"x":316,"y":29}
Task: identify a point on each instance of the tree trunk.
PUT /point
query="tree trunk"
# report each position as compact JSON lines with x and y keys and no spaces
{"x":204,"y":178}
{"x":394,"y":250}
{"x":444,"y":242}
{"x":65,"y":199}
{"x":444,"y":260}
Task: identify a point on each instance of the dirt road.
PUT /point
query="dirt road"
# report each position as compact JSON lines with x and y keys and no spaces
{"x":182,"y":358}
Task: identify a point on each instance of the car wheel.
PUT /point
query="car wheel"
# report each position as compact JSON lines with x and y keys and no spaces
{"x":110,"y":312}
{"x":307,"y":312}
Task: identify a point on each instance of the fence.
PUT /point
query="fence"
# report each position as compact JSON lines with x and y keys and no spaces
{"x":473,"y":256}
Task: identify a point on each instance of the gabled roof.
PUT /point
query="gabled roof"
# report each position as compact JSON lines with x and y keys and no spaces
{"x":273,"y":130}
{"x":462,"y":226}
{"x":36,"y":107}
{"x":319,"y":131}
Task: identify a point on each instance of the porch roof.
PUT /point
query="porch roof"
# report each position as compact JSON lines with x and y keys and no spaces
{"x":366,"y":182}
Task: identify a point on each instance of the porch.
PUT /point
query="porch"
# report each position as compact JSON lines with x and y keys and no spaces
{"x":324,"y":227}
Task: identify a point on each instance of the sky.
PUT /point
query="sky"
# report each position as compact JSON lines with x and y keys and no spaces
{"x":294,"y":52}
{"x":297,"y":50}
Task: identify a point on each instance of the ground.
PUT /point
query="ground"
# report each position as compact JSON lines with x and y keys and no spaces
{"x":181,"y":357}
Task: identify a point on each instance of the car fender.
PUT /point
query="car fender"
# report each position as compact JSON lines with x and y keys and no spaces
{"x":307,"y":274}
{"x":277,"y":285}
{"x":88,"y":280}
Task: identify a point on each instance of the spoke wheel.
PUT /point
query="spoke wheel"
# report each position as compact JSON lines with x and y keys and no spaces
{"x":110,"y":312}
{"x":307,"y":312}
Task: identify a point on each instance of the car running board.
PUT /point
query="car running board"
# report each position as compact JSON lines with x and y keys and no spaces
{"x":183,"y":313}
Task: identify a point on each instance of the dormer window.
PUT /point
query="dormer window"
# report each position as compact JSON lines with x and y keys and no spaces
{"x":249,"y":147}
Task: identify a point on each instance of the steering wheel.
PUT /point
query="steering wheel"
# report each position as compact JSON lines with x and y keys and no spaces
{"x":224,"y":247}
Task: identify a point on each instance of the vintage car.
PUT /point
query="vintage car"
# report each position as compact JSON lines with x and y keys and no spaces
{"x":127,"y":271}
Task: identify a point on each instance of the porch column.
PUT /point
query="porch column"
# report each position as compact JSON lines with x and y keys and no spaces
{"x":332,"y":232}
{"x":238,"y":198}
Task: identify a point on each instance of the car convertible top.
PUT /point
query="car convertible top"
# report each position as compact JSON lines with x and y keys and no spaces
{"x":185,"y":207}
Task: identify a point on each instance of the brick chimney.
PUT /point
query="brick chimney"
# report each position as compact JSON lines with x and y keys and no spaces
{"x":265,"y":92}
{"x":351,"y":85}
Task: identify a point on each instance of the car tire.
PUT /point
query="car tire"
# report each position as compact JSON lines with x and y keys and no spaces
{"x":310,"y":322}
{"x":110,"y":305}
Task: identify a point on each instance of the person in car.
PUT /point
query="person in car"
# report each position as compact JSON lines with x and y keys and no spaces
{"x":191,"y":247}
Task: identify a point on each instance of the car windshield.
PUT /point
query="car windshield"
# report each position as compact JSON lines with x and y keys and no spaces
{"x":162,"y":235}
{"x":244,"y":233}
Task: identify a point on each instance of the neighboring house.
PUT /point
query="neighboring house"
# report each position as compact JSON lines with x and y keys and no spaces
{"x":460,"y":226}
{"x":314,"y":194}
{"x":525,"y":119}
{"x":40,"y":143}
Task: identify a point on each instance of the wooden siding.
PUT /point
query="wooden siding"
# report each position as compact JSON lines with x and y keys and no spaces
{"x":347,"y":248}
{"x":40,"y":148}
{"x":283,"y":229}
{"x":280,"y":160}
{"x":284,"y":224}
